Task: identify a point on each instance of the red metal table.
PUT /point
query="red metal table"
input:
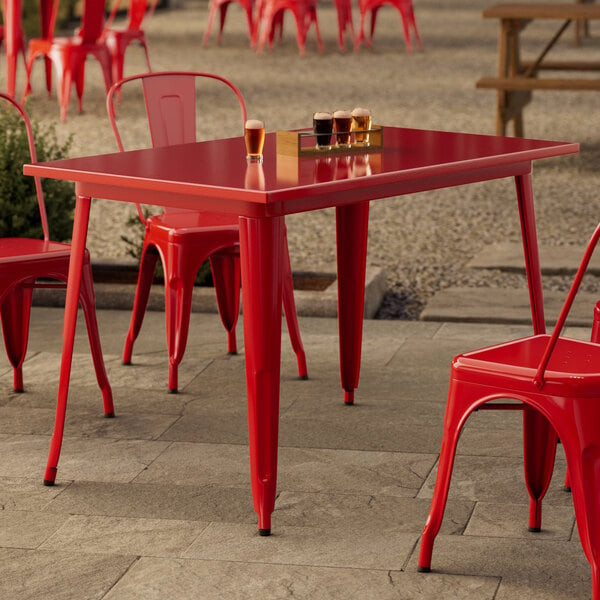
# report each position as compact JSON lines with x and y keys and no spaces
{"x":215,"y":176}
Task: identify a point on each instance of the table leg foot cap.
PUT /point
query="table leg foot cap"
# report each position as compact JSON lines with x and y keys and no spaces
{"x":534,"y":529}
{"x":421,"y":569}
{"x":349,"y":397}
{"x":175,"y":391}
{"x":264,"y":532}
{"x":48,"y":482}
{"x":109,"y":415}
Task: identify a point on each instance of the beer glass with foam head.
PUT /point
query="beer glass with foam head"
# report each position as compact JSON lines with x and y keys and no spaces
{"x":254,"y":135}
{"x":361,"y":123}
{"x":342,"y":122}
{"x":323,"y":129}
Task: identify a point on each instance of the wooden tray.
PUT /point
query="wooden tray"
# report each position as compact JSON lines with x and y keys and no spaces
{"x":303,"y":143}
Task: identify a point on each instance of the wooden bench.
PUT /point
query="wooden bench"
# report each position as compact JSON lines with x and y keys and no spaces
{"x":517,"y":79}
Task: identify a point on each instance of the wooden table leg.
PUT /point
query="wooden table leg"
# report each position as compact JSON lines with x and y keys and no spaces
{"x":80,"y":226}
{"x":261,"y":241}
{"x":539,"y":438}
{"x":352,"y":224}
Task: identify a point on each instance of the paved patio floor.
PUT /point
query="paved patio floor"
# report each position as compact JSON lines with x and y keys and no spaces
{"x":156,"y":503}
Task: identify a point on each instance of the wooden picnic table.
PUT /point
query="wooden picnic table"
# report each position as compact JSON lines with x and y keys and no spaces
{"x":518,"y":78}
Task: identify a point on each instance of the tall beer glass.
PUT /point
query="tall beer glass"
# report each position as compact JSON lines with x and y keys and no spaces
{"x":254,"y":135}
{"x":323,"y":128}
{"x":361,"y":123}
{"x":342,"y":121}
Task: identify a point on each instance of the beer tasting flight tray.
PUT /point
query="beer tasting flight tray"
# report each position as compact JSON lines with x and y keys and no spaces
{"x":304,"y":143}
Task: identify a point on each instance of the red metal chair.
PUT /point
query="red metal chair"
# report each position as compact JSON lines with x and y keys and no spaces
{"x":404,"y":7}
{"x":118,"y":39}
{"x":12,"y":35}
{"x":23,"y":262}
{"x":269,"y":18}
{"x":185,"y":239}
{"x":222,"y":6}
{"x":559,"y":378}
{"x":68,"y":54}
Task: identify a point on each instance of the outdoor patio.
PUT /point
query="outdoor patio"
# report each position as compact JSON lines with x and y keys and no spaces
{"x":156,"y":503}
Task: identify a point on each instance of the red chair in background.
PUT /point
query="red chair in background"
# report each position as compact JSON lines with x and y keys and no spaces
{"x":118,"y":39}
{"x":12,"y":35}
{"x":183,"y":240}
{"x":222,"y":6}
{"x":269,"y":18}
{"x":558,"y":378}
{"x":23,"y":262}
{"x":68,"y":54}
{"x":404,"y":7}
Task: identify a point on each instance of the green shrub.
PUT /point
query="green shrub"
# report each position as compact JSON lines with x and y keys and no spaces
{"x":19,"y":213}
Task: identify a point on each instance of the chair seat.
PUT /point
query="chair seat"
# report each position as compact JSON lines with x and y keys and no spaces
{"x":15,"y":249}
{"x":190,"y":223}
{"x":574,"y":366}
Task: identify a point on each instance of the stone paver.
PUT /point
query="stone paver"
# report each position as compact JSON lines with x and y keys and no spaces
{"x":156,"y":502}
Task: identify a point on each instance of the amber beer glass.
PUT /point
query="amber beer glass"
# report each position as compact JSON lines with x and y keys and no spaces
{"x":342,"y":122}
{"x":361,"y":123}
{"x":323,"y":129}
{"x":254,"y":135}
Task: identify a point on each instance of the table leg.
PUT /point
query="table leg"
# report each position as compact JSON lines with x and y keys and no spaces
{"x":539,"y":438}
{"x":80,"y":226}
{"x":352,"y":223}
{"x":261,"y":241}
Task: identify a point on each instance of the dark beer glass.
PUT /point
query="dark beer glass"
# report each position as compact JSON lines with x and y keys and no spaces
{"x":323,"y":129}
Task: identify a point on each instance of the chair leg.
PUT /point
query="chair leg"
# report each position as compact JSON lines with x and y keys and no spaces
{"x":289,"y":309}
{"x":582,"y":448}
{"x":88,"y":303}
{"x":178,"y":307}
{"x":222,"y":17}
{"x":15,"y":312}
{"x":406,"y":29}
{"x":250,"y":25}
{"x":145,"y":278}
{"x":211,"y":17}
{"x":226,"y":278}
{"x":539,"y":446}
{"x":456,"y":411}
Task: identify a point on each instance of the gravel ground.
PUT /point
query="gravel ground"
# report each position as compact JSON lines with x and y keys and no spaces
{"x":423,"y":241}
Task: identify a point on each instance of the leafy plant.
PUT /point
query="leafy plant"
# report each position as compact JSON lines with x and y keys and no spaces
{"x":19,"y":213}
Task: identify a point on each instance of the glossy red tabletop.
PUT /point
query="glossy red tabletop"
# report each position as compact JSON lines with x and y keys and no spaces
{"x":214,"y":175}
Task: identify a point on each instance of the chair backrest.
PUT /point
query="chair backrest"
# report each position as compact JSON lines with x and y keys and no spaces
{"x":10,"y":104}
{"x":170,"y":99}
{"x":92,"y":21}
{"x":560,"y":323}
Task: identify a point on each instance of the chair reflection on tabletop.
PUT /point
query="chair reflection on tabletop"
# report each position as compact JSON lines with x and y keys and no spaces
{"x":23,"y":262}
{"x":68,"y":54}
{"x":185,"y":239}
{"x":555,"y":377}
